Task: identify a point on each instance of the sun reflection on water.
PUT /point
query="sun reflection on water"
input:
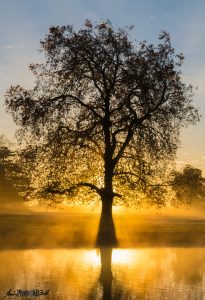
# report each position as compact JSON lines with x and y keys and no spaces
{"x":150,"y":273}
{"x":123,"y":256}
{"x":119,"y":256}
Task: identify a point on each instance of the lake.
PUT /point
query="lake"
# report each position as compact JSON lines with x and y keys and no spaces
{"x":157,"y":258}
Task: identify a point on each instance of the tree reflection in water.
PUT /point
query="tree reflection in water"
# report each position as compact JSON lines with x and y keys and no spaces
{"x":106,"y":276}
{"x":107,"y":287}
{"x":106,"y":241}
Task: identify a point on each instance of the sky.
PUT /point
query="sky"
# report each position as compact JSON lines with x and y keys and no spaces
{"x":23,"y":23}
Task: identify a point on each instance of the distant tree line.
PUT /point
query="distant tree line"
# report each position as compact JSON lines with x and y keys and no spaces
{"x":14,"y":182}
{"x":189,"y":186}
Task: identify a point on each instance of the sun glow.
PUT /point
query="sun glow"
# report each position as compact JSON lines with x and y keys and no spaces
{"x":122,"y":256}
{"x":93,"y":256}
{"x":119,"y":256}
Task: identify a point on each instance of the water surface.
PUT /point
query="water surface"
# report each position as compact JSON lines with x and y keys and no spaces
{"x":146,"y":273}
{"x":161,"y":261}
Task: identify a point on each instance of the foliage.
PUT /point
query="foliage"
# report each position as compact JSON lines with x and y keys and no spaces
{"x":13,"y":183}
{"x":105,"y":113}
{"x":189,"y":185}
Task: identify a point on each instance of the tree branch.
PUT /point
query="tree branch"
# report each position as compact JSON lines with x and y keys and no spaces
{"x":97,"y":145}
{"x":85,"y":133}
{"x":124,"y":145}
{"x":78,"y":100}
{"x":138,"y":121}
{"x":70,"y":189}
{"x":162,"y":101}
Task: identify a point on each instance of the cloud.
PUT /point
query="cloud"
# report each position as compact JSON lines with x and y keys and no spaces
{"x":7,"y":47}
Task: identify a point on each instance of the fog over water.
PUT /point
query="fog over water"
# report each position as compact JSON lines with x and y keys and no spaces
{"x":160,"y":256}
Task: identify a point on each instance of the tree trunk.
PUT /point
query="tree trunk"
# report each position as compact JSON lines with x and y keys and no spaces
{"x":106,"y":272}
{"x":106,"y":231}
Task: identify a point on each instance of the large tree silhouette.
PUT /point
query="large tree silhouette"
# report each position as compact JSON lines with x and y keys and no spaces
{"x":103,"y":108}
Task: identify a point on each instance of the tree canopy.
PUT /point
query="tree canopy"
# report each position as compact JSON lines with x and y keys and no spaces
{"x":13,"y":182}
{"x":189,"y":185}
{"x":105,"y":113}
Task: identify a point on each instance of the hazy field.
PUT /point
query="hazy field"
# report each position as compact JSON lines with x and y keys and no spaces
{"x":79,"y":230}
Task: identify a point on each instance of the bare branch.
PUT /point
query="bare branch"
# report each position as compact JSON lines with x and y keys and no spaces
{"x":125,"y":144}
{"x":78,"y":100}
{"x":70,"y":189}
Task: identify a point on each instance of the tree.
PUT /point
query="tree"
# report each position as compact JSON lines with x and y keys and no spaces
{"x":189,"y":185}
{"x":13,"y":182}
{"x":103,"y":108}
